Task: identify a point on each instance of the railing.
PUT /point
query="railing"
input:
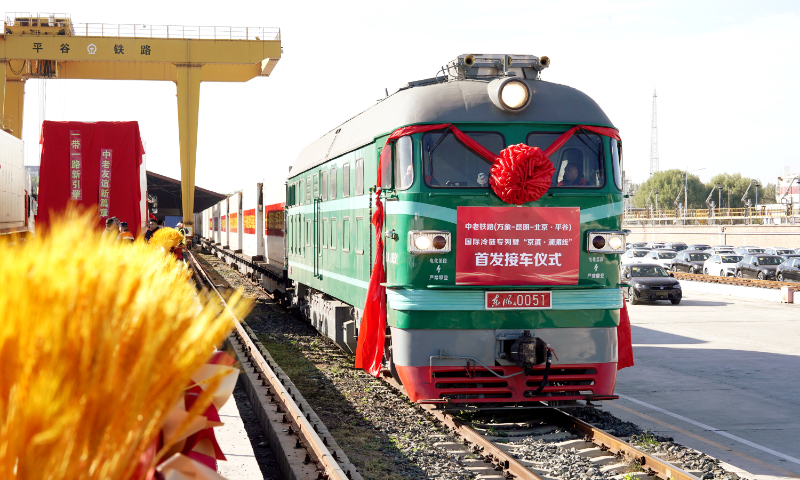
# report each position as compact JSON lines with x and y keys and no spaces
{"x":767,"y":215}
{"x":140,"y":30}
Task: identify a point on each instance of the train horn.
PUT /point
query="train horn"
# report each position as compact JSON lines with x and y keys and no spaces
{"x":469,"y":60}
{"x":544,"y":61}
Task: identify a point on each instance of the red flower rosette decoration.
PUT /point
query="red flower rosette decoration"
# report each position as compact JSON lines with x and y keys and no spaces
{"x":521,"y":174}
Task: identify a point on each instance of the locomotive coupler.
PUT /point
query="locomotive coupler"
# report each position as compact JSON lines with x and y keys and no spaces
{"x":529,"y":351}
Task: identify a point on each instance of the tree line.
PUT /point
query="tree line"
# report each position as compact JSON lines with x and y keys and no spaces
{"x":670,"y":184}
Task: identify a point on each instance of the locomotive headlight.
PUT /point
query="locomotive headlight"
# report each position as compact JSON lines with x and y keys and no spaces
{"x":422,"y":243}
{"x":428,"y":241}
{"x":605,"y":242}
{"x":510,"y":94}
{"x":514,"y":95}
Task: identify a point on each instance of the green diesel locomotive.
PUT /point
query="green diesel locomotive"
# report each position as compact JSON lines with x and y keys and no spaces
{"x":478,"y":292}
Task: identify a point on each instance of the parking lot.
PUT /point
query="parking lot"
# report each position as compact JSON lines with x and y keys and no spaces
{"x":720,"y":375}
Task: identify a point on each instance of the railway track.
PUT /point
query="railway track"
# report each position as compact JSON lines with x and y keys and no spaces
{"x":300,"y":441}
{"x":492,"y":450}
{"x":745,"y":282}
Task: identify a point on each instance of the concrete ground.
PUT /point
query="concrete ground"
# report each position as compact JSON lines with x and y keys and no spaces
{"x":720,"y":375}
{"x":235,"y":444}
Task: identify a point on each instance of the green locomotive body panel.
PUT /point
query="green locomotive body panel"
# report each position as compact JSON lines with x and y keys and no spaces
{"x":330,"y":243}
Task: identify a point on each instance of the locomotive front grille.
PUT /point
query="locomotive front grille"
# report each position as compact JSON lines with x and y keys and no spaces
{"x":564,"y":383}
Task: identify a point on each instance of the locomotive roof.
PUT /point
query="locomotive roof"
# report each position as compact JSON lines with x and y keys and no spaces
{"x":456,"y":101}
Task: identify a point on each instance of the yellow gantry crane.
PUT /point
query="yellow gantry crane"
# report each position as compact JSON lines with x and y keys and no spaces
{"x":51,"y":46}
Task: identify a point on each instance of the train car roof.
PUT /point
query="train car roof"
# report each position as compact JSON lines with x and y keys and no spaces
{"x":456,"y":101}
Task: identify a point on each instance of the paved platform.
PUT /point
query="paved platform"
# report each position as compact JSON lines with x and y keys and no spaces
{"x":235,"y":444}
{"x":721,"y":375}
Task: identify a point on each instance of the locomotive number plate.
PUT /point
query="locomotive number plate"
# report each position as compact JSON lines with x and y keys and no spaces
{"x":518,"y":300}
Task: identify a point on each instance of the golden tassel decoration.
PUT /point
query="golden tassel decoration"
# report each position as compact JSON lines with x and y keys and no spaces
{"x":98,"y":341}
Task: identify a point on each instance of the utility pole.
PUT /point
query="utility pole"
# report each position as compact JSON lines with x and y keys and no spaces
{"x":654,"y":139}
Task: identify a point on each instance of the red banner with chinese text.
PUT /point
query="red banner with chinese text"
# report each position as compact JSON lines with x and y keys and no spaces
{"x":71,"y":155}
{"x":104,"y":202}
{"x":75,"y":161}
{"x":234,"y":221}
{"x":224,"y":224}
{"x":517,"y":246}
{"x":249,"y":217}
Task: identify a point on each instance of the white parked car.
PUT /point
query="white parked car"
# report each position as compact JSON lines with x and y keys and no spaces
{"x":720,"y":249}
{"x":634,"y":255}
{"x":661,"y":257}
{"x":721,"y":265}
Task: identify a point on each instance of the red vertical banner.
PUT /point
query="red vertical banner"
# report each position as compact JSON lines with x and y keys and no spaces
{"x":234,"y":219}
{"x":517,"y":246}
{"x":249,"y":221}
{"x":273,"y":219}
{"x":75,"y":162}
{"x":104,"y":204}
{"x":224,"y":224}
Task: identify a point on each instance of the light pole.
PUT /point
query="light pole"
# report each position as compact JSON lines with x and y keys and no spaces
{"x":719,"y":195}
{"x":756,"y":185}
{"x":686,"y":191}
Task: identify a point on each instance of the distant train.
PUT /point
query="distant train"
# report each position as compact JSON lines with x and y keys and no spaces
{"x":17,"y":200}
{"x":479,"y":293}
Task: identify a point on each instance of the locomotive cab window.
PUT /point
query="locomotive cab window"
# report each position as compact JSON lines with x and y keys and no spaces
{"x":616,"y":162}
{"x":578,"y":163}
{"x":448,"y":163}
{"x":403,"y":163}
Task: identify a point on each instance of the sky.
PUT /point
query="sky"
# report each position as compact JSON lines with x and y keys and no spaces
{"x":725,"y":74}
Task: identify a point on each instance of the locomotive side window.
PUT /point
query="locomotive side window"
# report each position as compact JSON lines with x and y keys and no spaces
{"x":346,"y":180}
{"x":359,"y":235}
{"x":308,"y":190}
{"x":578,"y":163}
{"x":333,"y":183}
{"x":616,"y":162}
{"x":403,"y":163}
{"x":308,"y":232}
{"x":360,"y":176}
{"x":324,"y":184}
{"x":316,"y":186}
{"x":324,"y":234}
{"x":345,"y":234}
{"x":333,"y":234}
{"x":447,"y":163}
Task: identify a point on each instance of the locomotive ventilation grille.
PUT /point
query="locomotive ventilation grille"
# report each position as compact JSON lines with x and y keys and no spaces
{"x":481,"y":384}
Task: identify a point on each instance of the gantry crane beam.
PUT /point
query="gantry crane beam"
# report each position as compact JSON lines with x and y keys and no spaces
{"x":33,"y":47}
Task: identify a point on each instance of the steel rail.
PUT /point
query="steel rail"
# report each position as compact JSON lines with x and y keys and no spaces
{"x":651,"y":465}
{"x":604,"y":440}
{"x":496,"y":454}
{"x":745,"y":282}
{"x":304,"y":428}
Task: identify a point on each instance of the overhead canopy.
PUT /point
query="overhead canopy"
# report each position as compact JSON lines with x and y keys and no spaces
{"x":168,"y":192}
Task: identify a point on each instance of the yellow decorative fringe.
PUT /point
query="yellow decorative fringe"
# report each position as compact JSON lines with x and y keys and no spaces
{"x":98,"y":341}
{"x":166,"y":237}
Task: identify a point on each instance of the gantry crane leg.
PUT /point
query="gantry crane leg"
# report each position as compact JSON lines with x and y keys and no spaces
{"x":188,"y":83}
{"x":13,"y":95}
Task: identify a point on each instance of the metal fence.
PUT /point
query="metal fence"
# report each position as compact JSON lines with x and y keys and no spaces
{"x":140,"y":30}
{"x":765,"y":215}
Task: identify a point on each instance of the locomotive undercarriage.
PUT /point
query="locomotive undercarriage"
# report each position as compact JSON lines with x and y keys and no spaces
{"x":474,"y":366}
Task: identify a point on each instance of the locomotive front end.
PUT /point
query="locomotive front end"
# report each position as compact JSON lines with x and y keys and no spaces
{"x":489,"y":302}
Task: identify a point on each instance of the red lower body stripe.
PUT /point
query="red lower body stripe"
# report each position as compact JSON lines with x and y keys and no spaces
{"x":477,"y":385}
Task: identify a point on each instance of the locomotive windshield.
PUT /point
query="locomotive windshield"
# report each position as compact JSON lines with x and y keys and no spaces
{"x":579,"y":162}
{"x":447,"y":163}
